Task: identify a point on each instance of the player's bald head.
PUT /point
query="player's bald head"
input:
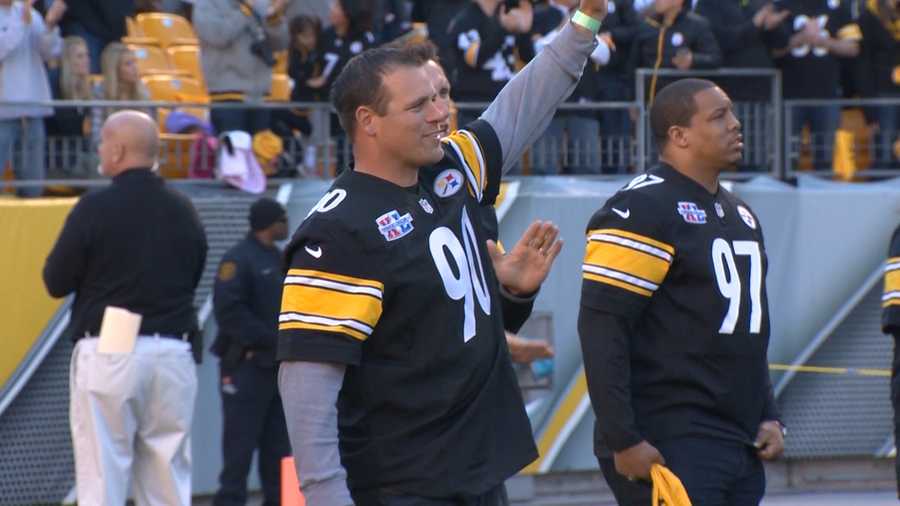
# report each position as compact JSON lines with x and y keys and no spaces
{"x":136,"y":132}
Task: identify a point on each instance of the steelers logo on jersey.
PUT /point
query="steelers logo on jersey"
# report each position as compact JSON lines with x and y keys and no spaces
{"x":448,"y":183}
{"x":747,"y":216}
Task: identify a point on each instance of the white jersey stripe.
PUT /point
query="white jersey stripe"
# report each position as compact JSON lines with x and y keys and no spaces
{"x":321,"y":320}
{"x":890,"y":295}
{"x":646,"y":248}
{"x":334,"y":285}
{"x":620,"y":276}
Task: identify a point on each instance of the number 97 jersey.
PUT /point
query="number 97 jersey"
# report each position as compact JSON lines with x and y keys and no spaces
{"x":687,"y":270}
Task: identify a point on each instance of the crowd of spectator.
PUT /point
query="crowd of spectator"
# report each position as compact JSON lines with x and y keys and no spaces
{"x":825,"y":49}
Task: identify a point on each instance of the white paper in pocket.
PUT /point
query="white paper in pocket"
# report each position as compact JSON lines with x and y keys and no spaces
{"x":119,"y":330}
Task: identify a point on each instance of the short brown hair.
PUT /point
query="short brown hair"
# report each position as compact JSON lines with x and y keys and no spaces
{"x":361,"y":82}
{"x":674,"y":106}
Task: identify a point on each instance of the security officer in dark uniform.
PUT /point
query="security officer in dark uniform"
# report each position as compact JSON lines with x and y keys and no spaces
{"x":246,"y":300}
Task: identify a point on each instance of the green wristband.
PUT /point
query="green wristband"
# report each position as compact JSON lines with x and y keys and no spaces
{"x":585,"y":21}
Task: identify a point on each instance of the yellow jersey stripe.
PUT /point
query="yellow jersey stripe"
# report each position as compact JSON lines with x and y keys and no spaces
{"x":471,"y":55}
{"x":337,"y":277}
{"x":627,"y":260}
{"x":331,"y":304}
{"x":324,"y":328}
{"x":466,"y":150}
{"x":850,"y":32}
{"x":617,"y":283}
{"x":893,"y":262}
{"x":637,"y":237}
{"x":892,"y":281}
{"x":891,"y":302}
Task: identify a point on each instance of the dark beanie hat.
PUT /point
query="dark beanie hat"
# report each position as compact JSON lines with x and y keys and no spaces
{"x":264,"y":212}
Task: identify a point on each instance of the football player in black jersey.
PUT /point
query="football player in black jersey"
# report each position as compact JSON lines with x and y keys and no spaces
{"x":674,"y":321}
{"x":890,"y":324}
{"x":396,"y":379}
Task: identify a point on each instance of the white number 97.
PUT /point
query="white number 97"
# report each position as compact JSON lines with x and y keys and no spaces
{"x":730,"y":282}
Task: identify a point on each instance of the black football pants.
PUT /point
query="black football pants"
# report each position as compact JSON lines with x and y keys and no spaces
{"x":714,"y":472}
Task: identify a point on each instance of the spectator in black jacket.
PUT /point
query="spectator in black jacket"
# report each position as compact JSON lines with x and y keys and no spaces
{"x":673,"y":37}
{"x":822,"y":32}
{"x":437,"y":15}
{"x":137,"y":245}
{"x":98,"y":22}
{"x":246,"y":302}
{"x":880,"y":26}
{"x":488,"y":39}
{"x":747,"y":31}
{"x":350,"y":34}
{"x":69,"y":129}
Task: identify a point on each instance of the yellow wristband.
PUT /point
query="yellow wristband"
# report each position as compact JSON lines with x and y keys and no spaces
{"x":583,"y":20}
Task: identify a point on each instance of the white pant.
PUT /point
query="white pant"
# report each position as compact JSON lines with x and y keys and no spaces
{"x":133,"y":411}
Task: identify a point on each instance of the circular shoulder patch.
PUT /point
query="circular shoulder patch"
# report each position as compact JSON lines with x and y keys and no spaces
{"x":747,"y":216}
{"x":448,"y":182}
{"x":227,"y":271}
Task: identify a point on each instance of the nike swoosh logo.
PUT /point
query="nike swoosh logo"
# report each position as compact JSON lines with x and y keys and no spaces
{"x":623,"y":214}
{"x":316,"y":253}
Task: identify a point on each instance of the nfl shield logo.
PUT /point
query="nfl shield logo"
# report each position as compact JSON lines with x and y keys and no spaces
{"x":393,"y":226}
{"x":692,"y":213}
{"x":426,"y":206}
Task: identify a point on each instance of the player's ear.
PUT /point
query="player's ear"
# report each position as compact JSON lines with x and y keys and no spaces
{"x":678,"y":136}
{"x":366,"y":120}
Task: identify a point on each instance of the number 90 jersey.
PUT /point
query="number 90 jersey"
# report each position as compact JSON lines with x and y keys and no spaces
{"x":397,"y":283}
{"x":687,"y":270}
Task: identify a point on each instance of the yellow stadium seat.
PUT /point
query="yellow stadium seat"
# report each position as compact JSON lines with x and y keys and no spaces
{"x":131,"y":28}
{"x":281,"y":62}
{"x":186,"y":59}
{"x":172,"y":88}
{"x":174,"y":155}
{"x":169,"y":29}
{"x":281,"y":88}
{"x":152,"y":60}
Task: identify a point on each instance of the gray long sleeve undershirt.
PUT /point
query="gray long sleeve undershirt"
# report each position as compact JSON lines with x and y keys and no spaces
{"x":525,"y":106}
{"x":309,"y":391}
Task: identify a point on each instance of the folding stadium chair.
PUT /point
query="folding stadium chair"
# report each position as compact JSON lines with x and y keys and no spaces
{"x":281,"y":88}
{"x":187,"y":60}
{"x":171,"y":88}
{"x":134,"y":35}
{"x":169,"y":29}
{"x":152,"y":60}
{"x":175,"y":155}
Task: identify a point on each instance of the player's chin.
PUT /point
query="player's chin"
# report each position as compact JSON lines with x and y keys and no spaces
{"x":432,"y":155}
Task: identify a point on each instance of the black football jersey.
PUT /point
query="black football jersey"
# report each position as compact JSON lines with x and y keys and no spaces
{"x":397,"y":283}
{"x":890,"y":301}
{"x":687,"y":269}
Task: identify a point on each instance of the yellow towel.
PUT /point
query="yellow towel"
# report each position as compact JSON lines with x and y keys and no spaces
{"x":667,"y":488}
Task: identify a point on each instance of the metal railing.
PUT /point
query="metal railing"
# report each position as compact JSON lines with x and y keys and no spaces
{"x":814,"y":144}
{"x":607,"y":138}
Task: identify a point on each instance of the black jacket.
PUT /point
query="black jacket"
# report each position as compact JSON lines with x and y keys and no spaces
{"x":246,"y":302}
{"x":688,"y":31}
{"x":103,"y":18}
{"x":136,"y":244}
{"x":880,"y":55}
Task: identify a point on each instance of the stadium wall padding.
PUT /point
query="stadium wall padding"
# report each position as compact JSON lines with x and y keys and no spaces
{"x":28,"y":230}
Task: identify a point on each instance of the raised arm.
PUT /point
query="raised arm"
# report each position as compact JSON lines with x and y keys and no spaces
{"x":525,"y":106}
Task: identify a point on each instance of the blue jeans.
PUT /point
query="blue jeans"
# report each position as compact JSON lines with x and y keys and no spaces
{"x":714,"y":472}
{"x":23,"y":140}
{"x":581,"y":154}
{"x":823,"y":121}
{"x":888,"y":120}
